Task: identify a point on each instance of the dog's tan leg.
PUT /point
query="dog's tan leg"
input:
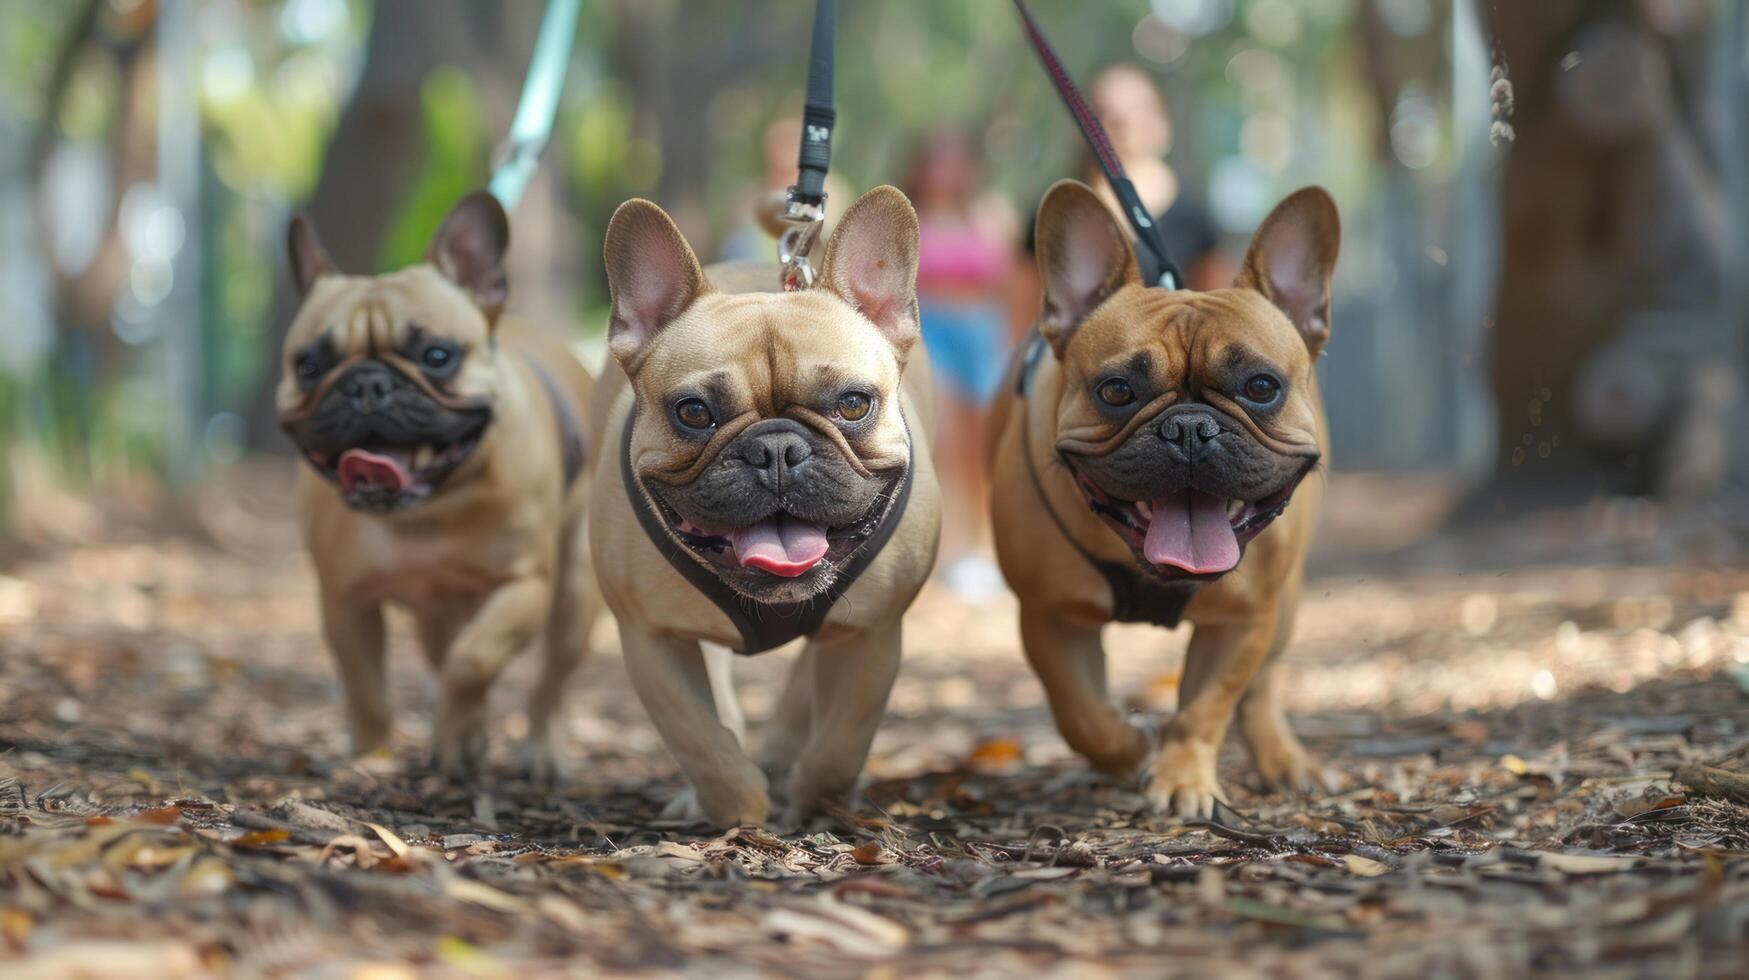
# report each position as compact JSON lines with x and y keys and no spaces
{"x":1282,"y":762}
{"x":356,"y":639}
{"x":853,"y":675}
{"x":1222,"y":661}
{"x":787,"y":731}
{"x":719,"y":666}
{"x":1070,"y":663}
{"x":577,"y":601}
{"x":670,"y":677}
{"x":505,"y":624}
{"x":436,"y":626}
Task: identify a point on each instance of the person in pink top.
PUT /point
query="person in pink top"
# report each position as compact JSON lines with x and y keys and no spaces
{"x":965,"y":266}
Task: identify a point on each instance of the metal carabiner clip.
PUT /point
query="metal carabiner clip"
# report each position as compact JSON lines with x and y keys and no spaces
{"x":802,"y":223}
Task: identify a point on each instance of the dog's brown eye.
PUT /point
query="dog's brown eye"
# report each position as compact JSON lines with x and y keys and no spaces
{"x":1261,"y":389}
{"x":854,"y":405}
{"x":694,"y":414}
{"x":1116,"y":392}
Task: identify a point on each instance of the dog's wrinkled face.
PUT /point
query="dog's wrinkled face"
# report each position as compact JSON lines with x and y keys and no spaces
{"x":768,"y":432}
{"x":1187,"y":419}
{"x":388,"y":381}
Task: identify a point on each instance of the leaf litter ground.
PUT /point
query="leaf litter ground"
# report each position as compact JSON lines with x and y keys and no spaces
{"x":1506,"y":710}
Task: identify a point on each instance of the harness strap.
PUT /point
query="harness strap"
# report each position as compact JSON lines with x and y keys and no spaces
{"x":763,"y":625}
{"x":571,"y":444}
{"x":1157,"y":265}
{"x":1134,"y":598}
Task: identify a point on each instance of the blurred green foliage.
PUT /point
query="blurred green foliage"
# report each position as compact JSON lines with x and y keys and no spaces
{"x":453,"y":141}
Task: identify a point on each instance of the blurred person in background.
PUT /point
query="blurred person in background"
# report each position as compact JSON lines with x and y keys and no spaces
{"x":1140,"y":128}
{"x":964,"y":274}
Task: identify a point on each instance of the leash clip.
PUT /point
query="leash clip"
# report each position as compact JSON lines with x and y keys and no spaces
{"x":802,"y":221}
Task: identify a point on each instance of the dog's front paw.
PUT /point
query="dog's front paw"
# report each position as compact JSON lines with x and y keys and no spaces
{"x":1113,"y":744}
{"x":683,"y":808}
{"x":1184,"y":782}
{"x":813,"y":789}
{"x":730,"y":800}
{"x":1286,"y":767}
{"x":538,"y":761}
{"x":458,"y":744}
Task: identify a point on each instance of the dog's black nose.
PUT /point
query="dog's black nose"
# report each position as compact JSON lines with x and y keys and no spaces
{"x":776,"y":454}
{"x":1190,"y":431}
{"x":369,"y":388}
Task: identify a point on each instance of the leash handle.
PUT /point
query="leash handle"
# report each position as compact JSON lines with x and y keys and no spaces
{"x":1164,"y":271}
{"x":514,"y":161}
{"x":804,"y":210}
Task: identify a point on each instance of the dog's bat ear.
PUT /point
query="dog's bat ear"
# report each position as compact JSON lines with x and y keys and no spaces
{"x":871,"y":263}
{"x":469,"y":250}
{"x":652,"y":277}
{"x":1291,"y":260}
{"x":1084,"y":256}
{"x":309,"y":261}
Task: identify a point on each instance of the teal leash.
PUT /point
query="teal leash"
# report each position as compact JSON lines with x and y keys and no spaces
{"x":515,"y":159}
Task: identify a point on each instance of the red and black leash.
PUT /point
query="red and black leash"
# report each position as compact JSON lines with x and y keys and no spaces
{"x":1157,"y":265}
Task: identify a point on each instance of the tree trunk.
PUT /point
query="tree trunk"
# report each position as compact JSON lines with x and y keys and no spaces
{"x":1609,"y":345}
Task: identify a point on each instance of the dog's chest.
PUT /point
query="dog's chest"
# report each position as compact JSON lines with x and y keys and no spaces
{"x":419,"y":569}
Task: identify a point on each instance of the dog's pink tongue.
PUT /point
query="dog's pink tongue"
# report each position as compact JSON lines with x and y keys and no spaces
{"x":361,"y":466}
{"x":781,"y":545}
{"x":1190,"y":530}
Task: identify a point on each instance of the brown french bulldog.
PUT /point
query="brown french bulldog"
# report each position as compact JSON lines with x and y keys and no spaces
{"x":764,"y":474}
{"x":445,"y":453}
{"x":1148,"y":471}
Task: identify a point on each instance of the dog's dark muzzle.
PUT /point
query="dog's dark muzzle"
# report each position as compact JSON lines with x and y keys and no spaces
{"x":372,"y":403}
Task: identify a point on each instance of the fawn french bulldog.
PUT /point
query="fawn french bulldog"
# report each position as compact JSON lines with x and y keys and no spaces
{"x":764,"y":475}
{"x":1154,"y":467}
{"x":445,"y":452}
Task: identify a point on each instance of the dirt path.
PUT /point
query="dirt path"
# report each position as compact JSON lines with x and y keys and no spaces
{"x":1505,"y":712}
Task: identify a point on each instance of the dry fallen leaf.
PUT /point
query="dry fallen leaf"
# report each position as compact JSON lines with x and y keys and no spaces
{"x":162,"y":816}
{"x":1364,"y":866}
{"x":869,"y":853}
{"x":1584,"y":864}
{"x":396,"y":844}
{"x":482,"y":894}
{"x":995,"y":756}
{"x":263,"y":838}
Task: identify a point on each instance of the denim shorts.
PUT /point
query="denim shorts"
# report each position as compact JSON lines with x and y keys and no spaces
{"x":968,"y":346}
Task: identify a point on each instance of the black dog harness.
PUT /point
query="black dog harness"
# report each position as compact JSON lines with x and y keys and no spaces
{"x":571,"y":447}
{"x":1135,"y":598}
{"x":763,"y":625}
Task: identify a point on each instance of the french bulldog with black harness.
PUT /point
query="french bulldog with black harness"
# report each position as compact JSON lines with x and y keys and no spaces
{"x":1153,"y":467}
{"x":764,"y":475}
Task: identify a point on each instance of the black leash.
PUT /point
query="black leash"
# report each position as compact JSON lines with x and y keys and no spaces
{"x":805,"y":207}
{"x":1157,"y":265}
